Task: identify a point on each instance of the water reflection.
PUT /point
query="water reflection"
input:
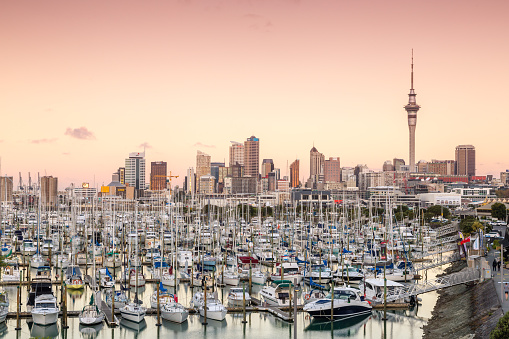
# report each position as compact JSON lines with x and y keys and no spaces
{"x":3,"y":329}
{"x":90,"y":332}
{"x":175,"y":327}
{"x":341,"y":328}
{"x":133,"y":326}
{"x":38,"y":331}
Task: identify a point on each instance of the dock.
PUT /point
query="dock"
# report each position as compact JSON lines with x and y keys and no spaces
{"x":108,"y":315}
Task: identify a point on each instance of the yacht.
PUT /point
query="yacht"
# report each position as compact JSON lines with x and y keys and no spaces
{"x":91,"y":314}
{"x":174,"y":312}
{"x":290,"y":271}
{"x":120,"y":298}
{"x":319,"y":274}
{"x":133,"y":312}
{"x":236,"y":297}
{"x":4,"y":306}
{"x":228,"y":277}
{"x":45,"y":310}
{"x":215,"y":310}
{"x":277,"y":293}
{"x":347,"y":303}
{"x":11,"y":273}
{"x":74,"y":280}
{"x":348,"y":273}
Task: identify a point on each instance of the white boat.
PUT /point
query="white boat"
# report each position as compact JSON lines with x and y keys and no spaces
{"x":228,"y":277}
{"x":313,"y":295}
{"x":277,"y":293}
{"x":215,"y":310}
{"x":319,"y":274}
{"x":133,"y":312}
{"x":291,"y":271}
{"x":91,"y":314}
{"x":174,"y":312}
{"x":61,"y":261}
{"x":4,"y":306}
{"x":185,"y":259}
{"x":120,"y":298}
{"x":37,"y":261}
{"x":348,"y":303}
{"x":374,"y":289}
{"x":136,"y":278}
{"x":45,"y":311}
{"x":11,"y":273}
{"x":28,"y":249}
{"x":236,"y":297}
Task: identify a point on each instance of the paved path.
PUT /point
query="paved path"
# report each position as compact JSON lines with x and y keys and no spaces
{"x":499,"y":276}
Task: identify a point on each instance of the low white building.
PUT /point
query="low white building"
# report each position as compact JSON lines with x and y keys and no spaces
{"x":443,"y":199}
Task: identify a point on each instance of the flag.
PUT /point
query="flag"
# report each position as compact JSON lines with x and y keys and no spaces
{"x":476,"y":244}
{"x":465,"y":241}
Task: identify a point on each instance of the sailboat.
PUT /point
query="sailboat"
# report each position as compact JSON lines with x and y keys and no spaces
{"x":74,"y":280}
{"x":91,"y":314}
{"x":133,"y":311}
{"x":4,"y":306}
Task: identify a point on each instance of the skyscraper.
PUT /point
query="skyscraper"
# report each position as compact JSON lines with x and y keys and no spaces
{"x":332,"y":170}
{"x":252,"y":157}
{"x":158,"y":173}
{"x":267,"y":167}
{"x":202,"y":166}
{"x":236,"y":153}
{"x":465,"y":160}
{"x":49,"y":190}
{"x":135,"y":170}
{"x":412,"y":108}
{"x":316,"y":162}
{"x":294,"y":174}
{"x":6,"y":185}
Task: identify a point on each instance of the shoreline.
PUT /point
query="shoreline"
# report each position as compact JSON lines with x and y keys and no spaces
{"x":464,"y":311}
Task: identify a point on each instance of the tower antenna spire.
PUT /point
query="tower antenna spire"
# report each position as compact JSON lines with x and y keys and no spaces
{"x":412,"y":74}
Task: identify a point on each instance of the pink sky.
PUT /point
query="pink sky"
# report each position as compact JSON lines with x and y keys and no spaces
{"x":187,"y":75}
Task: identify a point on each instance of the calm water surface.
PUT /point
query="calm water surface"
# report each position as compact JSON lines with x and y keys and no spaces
{"x":400,"y":324}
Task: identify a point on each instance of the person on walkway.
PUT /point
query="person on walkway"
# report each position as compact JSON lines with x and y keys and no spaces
{"x":499,"y":263}
{"x":494,"y":265}
{"x":506,"y":290}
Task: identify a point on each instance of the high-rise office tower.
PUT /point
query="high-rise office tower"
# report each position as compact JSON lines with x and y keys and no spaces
{"x":158,"y":173}
{"x":49,"y":190}
{"x":294,"y":174}
{"x":252,"y":157}
{"x":316,"y":162}
{"x":332,"y":170}
{"x":267,"y":167}
{"x":412,"y":108}
{"x":465,"y":160}
{"x":236,"y":153}
{"x":190,"y":186}
{"x":202,"y":166}
{"x":397,"y":164}
{"x":135,"y":170}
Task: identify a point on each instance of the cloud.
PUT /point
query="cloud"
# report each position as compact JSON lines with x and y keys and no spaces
{"x":199,"y":144}
{"x":145,"y":145}
{"x":80,"y":133}
{"x":66,"y":153}
{"x":43,"y":141}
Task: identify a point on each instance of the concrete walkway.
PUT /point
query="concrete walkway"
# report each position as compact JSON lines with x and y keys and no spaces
{"x":499,"y":278}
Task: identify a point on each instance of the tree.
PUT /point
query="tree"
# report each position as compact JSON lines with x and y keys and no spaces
{"x":502,"y":193}
{"x":466,"y":225}
{"x":438,"y":210}
{"x":499,"y":211}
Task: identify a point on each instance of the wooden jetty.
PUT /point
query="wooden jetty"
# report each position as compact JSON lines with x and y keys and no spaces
{"x":108,"y":315}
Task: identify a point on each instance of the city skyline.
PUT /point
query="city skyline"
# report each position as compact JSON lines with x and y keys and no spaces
{"x":83,"y":86}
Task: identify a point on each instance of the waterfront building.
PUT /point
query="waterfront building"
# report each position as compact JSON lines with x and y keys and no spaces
{"x":85,"y":191}
{"x":158,"y":173}
{"x":412,"y":108}
{"x":49,"y":189}
{"x":252,"y":157}
{"x":294,"y":174}
{"x":465,"y":160}
{"x":135,"y":170}
{"x":236,"y":153}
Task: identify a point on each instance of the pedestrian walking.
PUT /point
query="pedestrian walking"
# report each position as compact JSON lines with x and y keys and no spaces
{"x":494,"y":265}
{"x":499,"y":263}
{"x":506,"y":290}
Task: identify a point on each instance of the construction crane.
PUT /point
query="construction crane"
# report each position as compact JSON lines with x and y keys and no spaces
{"x":168,"y":178}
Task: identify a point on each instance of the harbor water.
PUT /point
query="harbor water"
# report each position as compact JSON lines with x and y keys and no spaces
{"x":405,"y":323}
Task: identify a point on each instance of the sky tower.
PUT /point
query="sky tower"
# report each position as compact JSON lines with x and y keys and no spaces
{"x":412,"y":108}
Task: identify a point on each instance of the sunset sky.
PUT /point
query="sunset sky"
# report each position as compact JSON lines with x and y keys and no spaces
{"x":84,"y":83}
